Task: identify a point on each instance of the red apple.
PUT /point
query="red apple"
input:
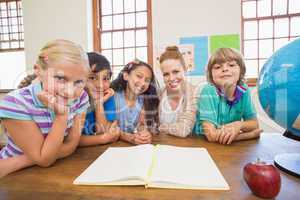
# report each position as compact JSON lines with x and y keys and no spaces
{"x":263,"y":179}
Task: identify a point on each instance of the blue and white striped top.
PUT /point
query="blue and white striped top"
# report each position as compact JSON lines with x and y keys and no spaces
{"x":23,"y":104}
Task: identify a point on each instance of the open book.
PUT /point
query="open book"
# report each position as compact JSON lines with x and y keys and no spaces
{"x":159,"y":166}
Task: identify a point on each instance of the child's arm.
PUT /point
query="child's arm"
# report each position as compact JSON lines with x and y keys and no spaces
{"x":42,"y":151}
{"x":13,"y":164}
{"x":71,"y":141}
{"x":100,"y":112}
{"x":234,"y":131}
{"x":111,"y":135}
{"x":210,"y":131}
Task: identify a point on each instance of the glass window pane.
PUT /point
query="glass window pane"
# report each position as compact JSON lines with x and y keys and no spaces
{"x":4,"y":22}
{"x":107,"y":23}
{"x":129,"y":39}
{"x":5,"y":45}
{"x":141,"y":19}
{"x":141,"y":5}
{"x":250,"y":49}
{"x":251,"y":68}
{"x":5,"y":29}
{"x":281,"y":27}
{"x":14,"y":29}
{"x":4,"y":13}
{"x":12,"y":5}
{"x":265,"y":48}
{"x":129,"y":55}
{"x":264,"y":8}
{"x":141,"y":54}
{"x":3,"y":6}
{"x":116,"y":71}
{"x":117,"y":39}
{"x":129,"y":6}
{"x":279,"y":7}
{"x":13,"y":13}
{"x":278,"y":43}
{"x":107,"y":54}
{"x":15,"y":45}
{"x":106,"y":41}
{"x":295,"y":26}
{"x":15,"y":36}
{"x":250,"y":30}
{"x":117,"y":6}
{"x":13,"y":21}
{"x":261,"y":63}
{"x":118,"y":21}
{"x":265,"y":28}
{"x":249,"y":9}
{"x":294,"y":6}
{"x":141,"y":38}
{"x":118,"y":57}
{"x":130,"y":20}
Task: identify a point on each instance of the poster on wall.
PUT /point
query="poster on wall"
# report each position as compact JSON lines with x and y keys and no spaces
{"x":200,"y":53}
{"x":206,"y":45}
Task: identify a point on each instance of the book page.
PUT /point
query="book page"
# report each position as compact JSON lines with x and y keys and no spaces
{"x":185,"y":168}
{"x":119,"y":166}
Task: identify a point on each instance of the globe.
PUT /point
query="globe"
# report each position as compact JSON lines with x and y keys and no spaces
{"x":279,"y":87}
{"x":279,"y":95}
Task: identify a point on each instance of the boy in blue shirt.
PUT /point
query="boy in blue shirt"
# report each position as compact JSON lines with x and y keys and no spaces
{"x":100,"y":125}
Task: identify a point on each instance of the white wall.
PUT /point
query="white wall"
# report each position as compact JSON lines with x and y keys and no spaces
{"x":173,"y":19}
{"x":45,"y":20}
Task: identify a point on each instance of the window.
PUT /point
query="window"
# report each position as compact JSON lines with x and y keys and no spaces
{"x":267,"y":25}
{"x":124,"y":31}
{"x":12,"y":57}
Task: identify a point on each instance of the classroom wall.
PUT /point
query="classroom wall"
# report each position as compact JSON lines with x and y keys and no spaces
{"x":45,"y":20}
{"x":173,"y":19}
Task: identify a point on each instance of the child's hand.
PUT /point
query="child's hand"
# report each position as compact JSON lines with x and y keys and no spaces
{"x":229,"y":132}
{"x":113,"y":133}
{"x":50,"y":101}
{"x":103,"y":96}
{"x":142,"y":137}
{"x":107,"y":94}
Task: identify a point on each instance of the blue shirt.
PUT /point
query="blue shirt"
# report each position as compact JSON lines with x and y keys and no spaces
{"x":128,"y":117}
{"x":90,"y":119}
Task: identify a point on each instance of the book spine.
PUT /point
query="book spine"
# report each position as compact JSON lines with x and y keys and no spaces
{"x":153,"y":163}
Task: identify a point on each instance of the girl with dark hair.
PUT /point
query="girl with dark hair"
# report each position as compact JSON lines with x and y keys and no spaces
{"x":136,"y":102}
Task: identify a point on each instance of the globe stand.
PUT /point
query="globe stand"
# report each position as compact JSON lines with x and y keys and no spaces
{"x":289,"y":162}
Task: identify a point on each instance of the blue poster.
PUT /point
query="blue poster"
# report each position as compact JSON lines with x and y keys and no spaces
{"x":200,"y":53}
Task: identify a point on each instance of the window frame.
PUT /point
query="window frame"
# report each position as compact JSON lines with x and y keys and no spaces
{"x":273,"y":17}
{"x":5,"y":91}
{"x":97,"y":30}
{"x":18,"y":25}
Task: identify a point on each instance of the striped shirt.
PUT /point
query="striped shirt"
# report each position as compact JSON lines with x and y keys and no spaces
{"x":23,"y":104}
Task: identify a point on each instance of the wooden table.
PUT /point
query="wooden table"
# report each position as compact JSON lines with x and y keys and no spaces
{"x":56,"y":182}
